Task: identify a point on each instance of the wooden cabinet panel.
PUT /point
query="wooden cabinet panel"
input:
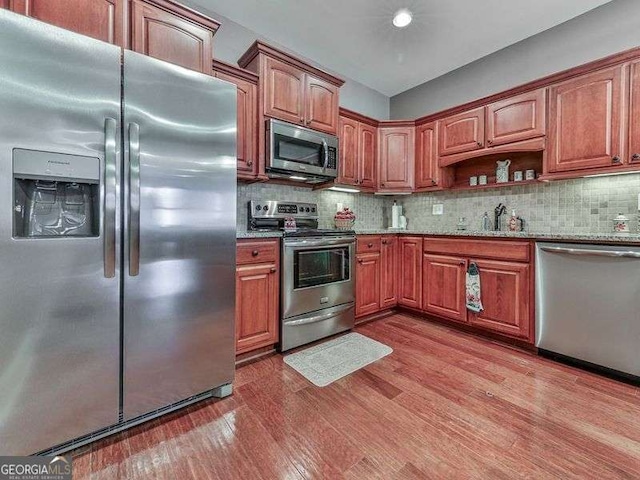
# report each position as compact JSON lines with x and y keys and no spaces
{"x":517,"y":118}
{"x":396,"y":159}
{"x":368,"y":243}
{"x":162,"y":34}
{"x":410,"y":272}
{"x":284,"y":91}
{"x":443,"y":286}
{"x":349,"y":152}
{"x":388,"y":272}
{"x":256,"y":306}
{"x":634,"y":115}
{"x":426,"y":155}
{"x":505,"y":289}
{"x":247,"y":125}
{"x":586,"y":118}
{"x":367,"y":283}
{"x":101,"y":19}
{"x":367,"y":154}
{"x":515,"y":250}
{"x":461,"y":133}
{"x":321,"y":105}
{"x":257,"y":251}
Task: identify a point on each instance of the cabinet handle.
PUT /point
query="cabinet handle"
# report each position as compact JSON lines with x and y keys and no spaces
{"x":384,"y":242}
{"x":489,"y":142}
{"x":301,"y":119}
{"x":462,"y":262}
{"x":273,"y":270}
{"x":479,"y":144}
{"x":255,"y":253}
{"x":433,"y":182}
{"x":359,"y":260}
{"x":369,"y":245}
{"x":616,"y":159}
{"x":249,"y":163}
{"x":635,"y":157}
{"x":382,"y":184}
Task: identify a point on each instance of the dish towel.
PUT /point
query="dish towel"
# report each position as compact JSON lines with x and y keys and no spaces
{"x":474,"y":303}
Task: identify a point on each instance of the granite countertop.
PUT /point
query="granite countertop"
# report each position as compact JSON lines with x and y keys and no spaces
{"x":578,"y":237}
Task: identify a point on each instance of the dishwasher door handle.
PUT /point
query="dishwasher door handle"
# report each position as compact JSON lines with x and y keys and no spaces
{"x":591,"y":252}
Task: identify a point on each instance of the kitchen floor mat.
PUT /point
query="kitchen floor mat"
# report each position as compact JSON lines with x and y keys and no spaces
{"x":329,"y":361}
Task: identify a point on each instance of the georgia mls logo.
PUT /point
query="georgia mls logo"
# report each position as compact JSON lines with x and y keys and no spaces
{"x":35,"y":468}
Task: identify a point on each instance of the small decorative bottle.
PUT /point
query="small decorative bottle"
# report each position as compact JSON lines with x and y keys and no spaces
{"x":486,"y":223}
{"x":514,"y":222}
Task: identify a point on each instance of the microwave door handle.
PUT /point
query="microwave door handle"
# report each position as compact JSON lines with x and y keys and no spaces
{"x":325,"y":147}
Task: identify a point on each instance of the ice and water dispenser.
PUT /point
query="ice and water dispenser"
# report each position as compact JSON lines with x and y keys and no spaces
{"x":55,"y":195}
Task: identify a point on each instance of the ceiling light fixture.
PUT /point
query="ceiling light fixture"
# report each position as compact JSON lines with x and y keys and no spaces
{"x":402,"y":18}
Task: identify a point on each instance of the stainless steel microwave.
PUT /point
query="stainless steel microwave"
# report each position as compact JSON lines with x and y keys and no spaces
{"x":301,"y":154}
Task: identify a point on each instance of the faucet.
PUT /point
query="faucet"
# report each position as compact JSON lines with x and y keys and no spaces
{"x":498,"y":212}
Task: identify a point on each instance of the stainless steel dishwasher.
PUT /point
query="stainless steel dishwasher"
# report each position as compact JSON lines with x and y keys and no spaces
{"x":588,"y":305}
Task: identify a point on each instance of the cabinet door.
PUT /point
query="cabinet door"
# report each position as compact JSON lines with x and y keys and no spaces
{"x":283,"y":91}
{"x":367,"y":154}
{"x":321,"y":105}
{"x":586,"y":121}
{"x":410,"y":271}
{"x":506,"y":297}
{"x":388,"y":272}
{"x":443,"y":286}
{"x":634,"y":117}
{"x":256,"y":306}
{"x":349,"y":143}
{"x":101,"y":19}
{"x":517,"y":118}
{"x":367,"y":283}
{"x":426,"y":156}
{"x":247,"y":125}
{"x":396,"y":161}
{"x":161,"y":34}
{"x":461,"y":133}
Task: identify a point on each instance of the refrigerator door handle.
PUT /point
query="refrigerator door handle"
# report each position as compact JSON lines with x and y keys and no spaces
{"x":134,"y":199}
{"x":109,"y":218}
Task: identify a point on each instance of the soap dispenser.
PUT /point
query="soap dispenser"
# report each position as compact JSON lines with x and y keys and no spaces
{"x":513,"y":222}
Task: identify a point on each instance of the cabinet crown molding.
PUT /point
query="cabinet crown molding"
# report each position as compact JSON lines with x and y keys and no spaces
{"x":358,"y":117}
{"x":261,"y":47}
{"x":229,"y":69}
{"x":188,"y":13}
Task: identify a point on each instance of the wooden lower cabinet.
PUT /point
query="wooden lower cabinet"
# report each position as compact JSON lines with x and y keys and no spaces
{"x":410,"y":272}
{"x":388,"y":272}
{"x":443,"y":286}
{"x":506,"y":298}
{"x":367,"y":283}
{"x":257,"y":295}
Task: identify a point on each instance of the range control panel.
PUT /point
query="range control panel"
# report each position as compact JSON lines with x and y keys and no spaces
{"x":275,"y":209}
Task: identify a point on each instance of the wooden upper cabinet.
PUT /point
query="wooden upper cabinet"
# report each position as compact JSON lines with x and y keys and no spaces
{"x":461,"y":133}
{"x":427,"y":155}
{"x":396,"y":158}
{"x":517,"y":118}
{"x":166,"y":31}
{"x":410,"y":272}
{"x":101,"y":19}
{"x":443,"y":286}
{"x":247,"y":122}
{"x":367,"y":154}
{"x":586,"y":121}
{"x":284,"y":91}
{"x":388,"y":272}
{"x":321,"y":111}
{"x":634,"y":115}
{"x":506,"y":298}
{"x":348,"y":169}
{"x":367,"y":283}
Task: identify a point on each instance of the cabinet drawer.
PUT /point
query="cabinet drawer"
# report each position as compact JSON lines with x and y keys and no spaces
{"x":368,"y":243}
{"x":518,"y":251}
{"x":257,"y":251}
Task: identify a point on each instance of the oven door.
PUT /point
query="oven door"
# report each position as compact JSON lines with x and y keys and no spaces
{"x":300,"y":150}
{"x":317,"y":273}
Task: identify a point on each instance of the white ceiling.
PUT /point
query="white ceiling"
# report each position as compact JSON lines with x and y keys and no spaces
{"x":356,"y":37}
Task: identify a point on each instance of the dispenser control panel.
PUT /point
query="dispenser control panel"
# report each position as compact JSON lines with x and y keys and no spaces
{"x":37,"y":164}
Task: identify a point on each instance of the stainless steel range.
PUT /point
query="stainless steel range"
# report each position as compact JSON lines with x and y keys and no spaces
{"x":318,"y":268}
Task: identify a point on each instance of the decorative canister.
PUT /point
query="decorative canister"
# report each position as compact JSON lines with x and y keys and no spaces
{"x":473,"y":181}
{"x":502,"y":171}
{"x":344,"y":219}
{"x":621,"y":224}
{"x":482,"y":180}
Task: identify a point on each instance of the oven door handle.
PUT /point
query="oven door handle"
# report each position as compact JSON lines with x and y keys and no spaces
{"x":303,"y":244}
{"x":318,"y":318}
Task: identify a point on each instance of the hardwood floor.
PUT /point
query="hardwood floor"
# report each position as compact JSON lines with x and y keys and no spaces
{"x":444,"y":404}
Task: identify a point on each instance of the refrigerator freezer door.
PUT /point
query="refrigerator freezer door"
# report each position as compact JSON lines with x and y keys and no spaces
{"x":59,"y":297}
{"x":180,"y":224}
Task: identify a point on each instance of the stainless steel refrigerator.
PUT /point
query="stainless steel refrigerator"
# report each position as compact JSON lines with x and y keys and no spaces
{"x":117,"y":236}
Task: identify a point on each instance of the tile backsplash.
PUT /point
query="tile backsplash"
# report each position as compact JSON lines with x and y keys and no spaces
{"x":585,"y":205}
{"x":368,"y":208}
{"x":581,"y":206}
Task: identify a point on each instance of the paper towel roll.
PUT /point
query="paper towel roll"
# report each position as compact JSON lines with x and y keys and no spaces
{"x":396,"y":213}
